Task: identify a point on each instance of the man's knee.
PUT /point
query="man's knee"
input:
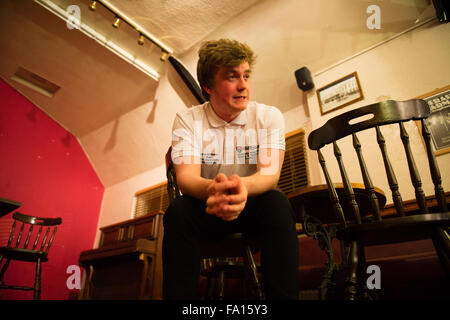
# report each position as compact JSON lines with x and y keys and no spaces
{"x":275,"y":199}
{"x":275,"y":196}
{"x":276,"y":206}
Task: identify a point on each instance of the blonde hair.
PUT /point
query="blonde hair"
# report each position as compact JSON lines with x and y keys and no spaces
{"x":220,"y":53}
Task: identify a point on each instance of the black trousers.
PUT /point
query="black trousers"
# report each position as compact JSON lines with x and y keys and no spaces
{"x":267,"y":217}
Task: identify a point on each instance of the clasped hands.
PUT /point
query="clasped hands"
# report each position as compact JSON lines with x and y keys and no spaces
{"x":226,"y":197}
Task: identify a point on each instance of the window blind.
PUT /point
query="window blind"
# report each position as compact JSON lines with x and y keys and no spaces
{"x":294,"y":172}
{"x":151,"y":200}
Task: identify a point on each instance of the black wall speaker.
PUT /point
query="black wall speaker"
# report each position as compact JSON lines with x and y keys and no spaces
{"x":304,"y":80}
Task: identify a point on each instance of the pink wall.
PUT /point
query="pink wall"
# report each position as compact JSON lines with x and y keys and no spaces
{"x":44,"y":167}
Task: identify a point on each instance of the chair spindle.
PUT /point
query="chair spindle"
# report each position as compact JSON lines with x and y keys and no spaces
{"x":45,"y":238}
{"x":331,"y":189}
{"x":366,"y":178}
{"x":349,"y":193}
{"x":11,"y":235}
{"x":413,"y":172}
{"x":392,"y":180}
{"x":434,"y":169}
{"x":20,"y":235}
{"x":51,"y":240}
{"x":37,"y":238}
{"x":28,"y":237}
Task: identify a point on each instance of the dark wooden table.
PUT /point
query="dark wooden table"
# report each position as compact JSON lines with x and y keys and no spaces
{"x":6,"y":206}
{"x":316,"y":202}
{"x":314,"y":210}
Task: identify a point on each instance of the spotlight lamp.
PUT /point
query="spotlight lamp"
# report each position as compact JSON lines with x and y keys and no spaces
{"x":116,"y":22}
{"x":141,"y":39}
{"x":164,"y":56}
{"x":93,"y":6}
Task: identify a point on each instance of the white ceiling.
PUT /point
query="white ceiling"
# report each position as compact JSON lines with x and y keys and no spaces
{"x":98,"y":88}
{"x":181,"y":23}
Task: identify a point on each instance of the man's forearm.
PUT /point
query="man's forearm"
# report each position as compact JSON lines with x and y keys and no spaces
{"x":266,"y":178}
{"x":259,"y":183}
{"x":189,"y":180}
{"x":193,"y":185}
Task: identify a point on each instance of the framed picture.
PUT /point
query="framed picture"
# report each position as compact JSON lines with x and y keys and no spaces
{"x":339,"y":93}
{"x":439,"y":120}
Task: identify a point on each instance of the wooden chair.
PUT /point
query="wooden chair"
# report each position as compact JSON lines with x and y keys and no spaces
{"x":17,"y":248}
{"x":358,"y":233}
{"x":231,"y":256}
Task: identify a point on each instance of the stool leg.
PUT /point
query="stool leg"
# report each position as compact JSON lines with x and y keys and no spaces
{"x":250,"y":266}
{"x":352,"y":278}
{"x":37,"y":281}
{"x":221,"y":285}
{"x":5,"y":266}
{"x":210,"y":284}
{"x":356,"y":262}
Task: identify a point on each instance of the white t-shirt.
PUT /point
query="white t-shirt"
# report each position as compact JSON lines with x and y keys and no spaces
{"x":227,"y":147}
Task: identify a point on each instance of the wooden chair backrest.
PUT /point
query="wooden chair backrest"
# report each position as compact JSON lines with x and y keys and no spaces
{"x":379,"y":114}
{"x":19,"y":239}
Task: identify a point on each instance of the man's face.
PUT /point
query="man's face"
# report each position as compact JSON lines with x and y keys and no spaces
{"x":230,"y":92}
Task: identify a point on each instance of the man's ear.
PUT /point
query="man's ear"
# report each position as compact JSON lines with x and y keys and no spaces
{"x":207,"y":89}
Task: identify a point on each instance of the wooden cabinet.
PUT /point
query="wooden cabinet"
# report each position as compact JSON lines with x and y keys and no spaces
{"x":127,"y":263}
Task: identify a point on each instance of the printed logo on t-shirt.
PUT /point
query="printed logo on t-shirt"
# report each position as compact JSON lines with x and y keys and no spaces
{"x":210,"y":158}
{"x":247,"y":154}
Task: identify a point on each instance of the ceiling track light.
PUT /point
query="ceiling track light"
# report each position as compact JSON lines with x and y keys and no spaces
{"x":141,"y":39}
{"x":116,"y":22}
{"x":119,"y":17}
{"x":93,"y":6}
{"x":102,"y":40}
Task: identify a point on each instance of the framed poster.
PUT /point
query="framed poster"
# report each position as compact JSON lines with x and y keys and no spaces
{"x":339,"y":93}
{"x":439,"y":120}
